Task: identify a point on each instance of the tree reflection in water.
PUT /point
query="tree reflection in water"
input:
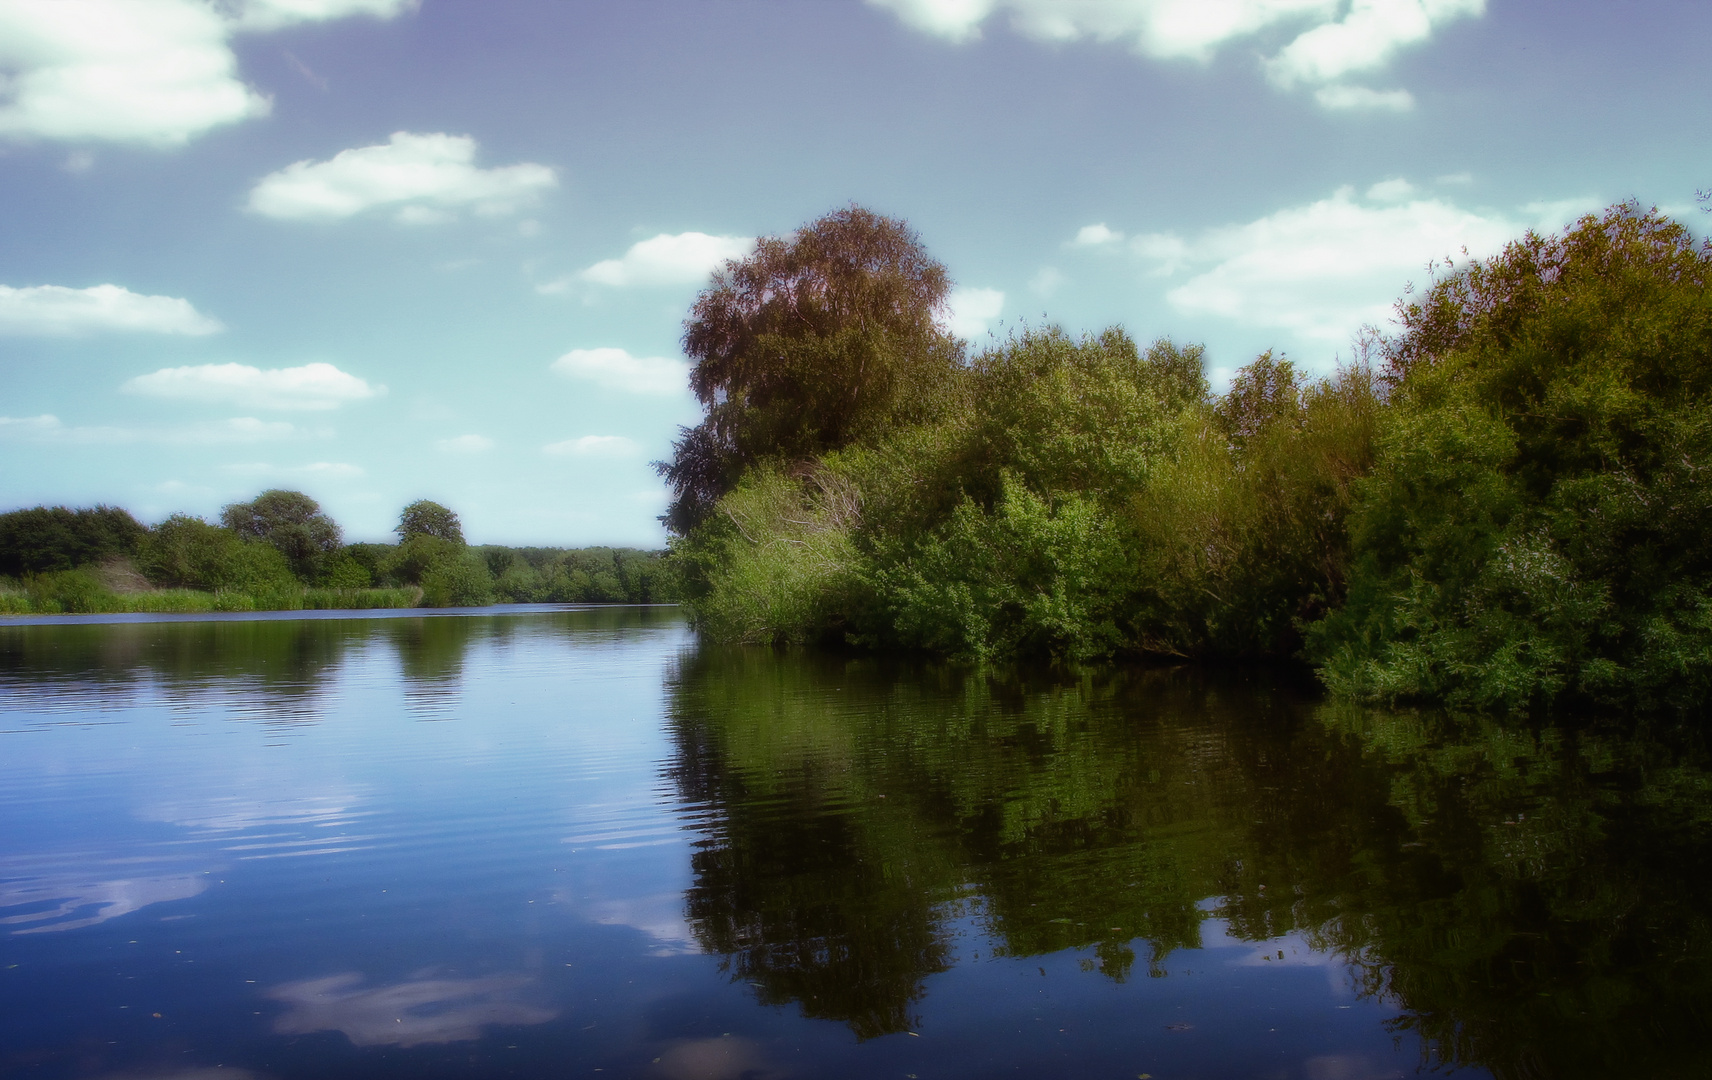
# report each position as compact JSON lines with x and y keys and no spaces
{"x":1528,"y":899}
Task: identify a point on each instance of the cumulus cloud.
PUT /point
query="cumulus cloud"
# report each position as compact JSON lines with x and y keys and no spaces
{"x":314,"y":386}
{"x":425,"y":177}
{"x":667,"y":259}
{"x":1365,"y":38}
{"x":1362,"y":99}
{"x":593,"y":446}
{"x":315,"y":470}
{"x":48,"y":429}
{"x":616,"y":369}
{"x":156,"y":73}
{"x":465,"y":444}
{"x":1337,"y":39}
{"x":59,"y":311}
{"x":1325,"y":269}
{"x":970,"y":311}
{"x":1095,"y":236}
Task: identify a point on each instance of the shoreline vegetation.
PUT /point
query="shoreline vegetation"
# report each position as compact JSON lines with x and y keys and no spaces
{"x":280,"y":552}
{"x":1504,"y":505}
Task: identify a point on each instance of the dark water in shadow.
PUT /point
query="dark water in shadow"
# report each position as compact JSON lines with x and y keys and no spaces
{"x":570,"y":843}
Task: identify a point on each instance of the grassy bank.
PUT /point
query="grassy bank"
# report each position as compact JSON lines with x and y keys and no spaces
{"x":53,"y":594}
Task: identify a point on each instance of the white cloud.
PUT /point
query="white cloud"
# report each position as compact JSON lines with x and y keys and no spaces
{"x":310,"y":387}
{"x":48,"y":429}
{"x":1095,"y":236}
{"x":1048,"y":281}
{"x":424,"y":176}
{"x":1394,"y":190}
{"x":616,"y":369}
{"x":157,"y":73}
{"x":593,"y":446}
{"x":317,"y":470}
{"x":273,"y":14}
{"x":1361,"y":99}
{"x":465,"y":444}
{"x":59,"y":311}
{"x":1328,"y":268}
{"x":968,"y":311}
{"x":1364,"y":39}
{"x":1339,"y":38}
{"x":667,"y":259}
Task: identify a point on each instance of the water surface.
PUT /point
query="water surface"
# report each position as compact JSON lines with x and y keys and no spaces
{"x":561,"y":843}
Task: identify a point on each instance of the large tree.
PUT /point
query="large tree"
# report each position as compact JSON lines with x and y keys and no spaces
{"x":292,"y":522}
{"x":818,"y":340}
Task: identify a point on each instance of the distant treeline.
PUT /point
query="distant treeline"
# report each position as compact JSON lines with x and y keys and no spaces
{"x":1506,"y":504}
{"x":281,"y":551}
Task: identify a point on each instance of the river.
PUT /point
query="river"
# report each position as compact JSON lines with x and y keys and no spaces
{"x":575,"y":842}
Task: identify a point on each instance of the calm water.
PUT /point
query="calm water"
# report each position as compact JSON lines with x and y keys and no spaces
{"x":567,"y":843}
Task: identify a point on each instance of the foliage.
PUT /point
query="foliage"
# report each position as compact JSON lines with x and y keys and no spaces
{"x":80,"y":591}
{"x":598,"y":575}
{"x":778,"y":564}
{"x":1026,"y":577}
{"x":292,"y":523}
{"x":424,"y":518}
{"x":187,"y":552}
{"x":816,"y":341}
{"x":456,"y":580}
{"x":1085,"y":497}
{"x":57,"y":538}
{"x":1538,"y":528}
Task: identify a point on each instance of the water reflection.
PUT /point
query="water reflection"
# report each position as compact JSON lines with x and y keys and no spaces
{"x":1530,"y":901}
{"x":281,"y":672}
{"x":408,"y":1013}
{"x":45,"y":896}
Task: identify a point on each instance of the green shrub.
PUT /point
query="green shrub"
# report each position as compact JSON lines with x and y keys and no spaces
{"x":776,"y":563}
{"x":187,"y":552}
{"x":57,"y":538}
{"x":1028,"y":576}
{"x":462,"y":581}
{"x":1538,"y":528}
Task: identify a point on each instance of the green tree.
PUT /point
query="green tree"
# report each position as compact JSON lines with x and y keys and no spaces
{"x":187,"y":552}
{"x":292,"y":523}
{"x":1539,"y":524}
{"x":816,"y":341}
{"x":424,"y":518}
{"x":49,"y":538}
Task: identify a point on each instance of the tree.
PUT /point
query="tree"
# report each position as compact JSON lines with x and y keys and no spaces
{"x":187,"y":552}
{"x":816,"y":341}
{"x":424,"y":518}
{"x":290,"y":521}
{"x":49,"y":538}
{"x":1538,"y":525}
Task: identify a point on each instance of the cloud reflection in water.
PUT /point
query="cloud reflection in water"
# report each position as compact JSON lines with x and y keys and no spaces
{"x":81,"y":900}
{"x":408,"y":1013}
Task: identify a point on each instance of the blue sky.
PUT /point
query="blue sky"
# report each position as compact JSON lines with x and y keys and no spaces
{"x":379,"y":250}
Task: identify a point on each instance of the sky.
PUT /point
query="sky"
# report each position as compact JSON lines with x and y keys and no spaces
{"x":384,"y":250}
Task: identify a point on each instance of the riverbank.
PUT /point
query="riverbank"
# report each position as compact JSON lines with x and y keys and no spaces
{"x":50,"y":600}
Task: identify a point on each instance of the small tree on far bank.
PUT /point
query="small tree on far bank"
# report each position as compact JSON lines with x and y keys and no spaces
{"x":425,"y":518}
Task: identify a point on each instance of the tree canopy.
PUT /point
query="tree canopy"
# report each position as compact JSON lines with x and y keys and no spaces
{"x":47,"y":538}
{"x":425,"y":518}
{"x":818,"y":340}
{"x":290,"y":521}
{"x":1538,"y":526}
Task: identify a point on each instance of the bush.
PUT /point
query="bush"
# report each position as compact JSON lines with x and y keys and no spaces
{"x":187,"y":552}
{"x":1538,"y":528}
{"x":462,"y":581}
{"x":56,"y":538}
